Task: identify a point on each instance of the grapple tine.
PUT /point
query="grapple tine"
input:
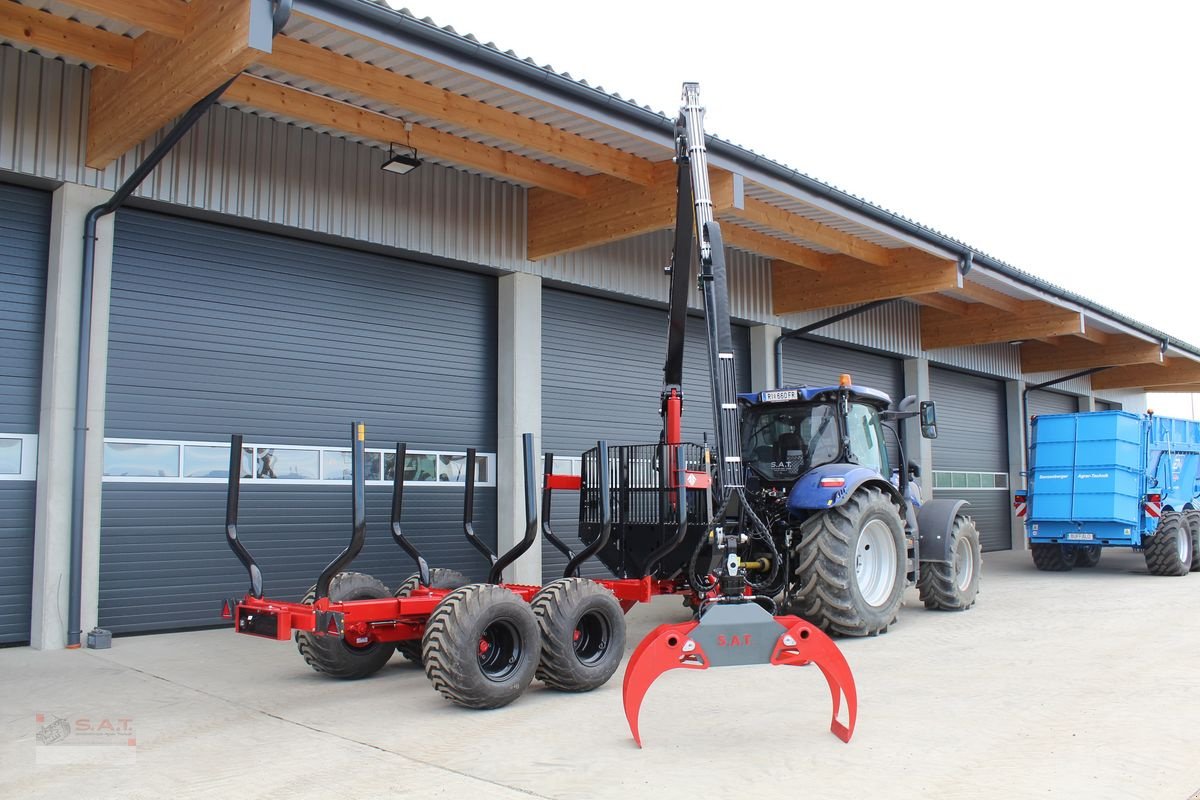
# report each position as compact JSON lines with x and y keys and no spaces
{"x":665,"y":648}
{"x":803,"y":643}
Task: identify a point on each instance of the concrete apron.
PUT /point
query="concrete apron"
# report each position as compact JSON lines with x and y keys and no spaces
{"x":1056,"y":685}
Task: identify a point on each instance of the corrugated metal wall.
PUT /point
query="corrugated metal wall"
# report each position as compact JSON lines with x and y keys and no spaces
{"x":296,"y":339}
{"x":24,"y":245}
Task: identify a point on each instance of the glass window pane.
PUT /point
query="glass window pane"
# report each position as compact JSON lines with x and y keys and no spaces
{"x":452,"y":469}
{"x":958,"y":480}
{"x":389,"y":466}
{"x":277,"y":463}
{"x":941,"y":480}
{"x":201,"y":461}
{"x":974,"y":480}
{"x":10,"y":456}
{"x":247,"y":462}
{"x":420,"y":467}
{"x":141,"y":460}
{"x":483,"y":469}
{"x":1001,"y":480}
{"x":335,"y":465}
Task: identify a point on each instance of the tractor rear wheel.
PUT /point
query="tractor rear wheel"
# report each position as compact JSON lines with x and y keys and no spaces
{"x":333,"y":655}
{"x":481,"y":646}
{"x":583,"y":634}
{"x":1192,"y":519}
{"x":1168,"y":550}
{"x":850,"y":566}
{"x":954,"y":586}
{"x":1053,"y":557}
{"x":439,"y":578}
{"x":1087,"y":556}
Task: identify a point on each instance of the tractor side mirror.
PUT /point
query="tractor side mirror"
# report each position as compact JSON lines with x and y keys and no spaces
{"x":914,"y":470}
{"x":907,"y":404}
{"x":928,"y":419}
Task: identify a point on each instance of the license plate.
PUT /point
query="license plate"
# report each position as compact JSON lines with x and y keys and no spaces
{"x":780,"y":396}
{"x":1081,"y":537}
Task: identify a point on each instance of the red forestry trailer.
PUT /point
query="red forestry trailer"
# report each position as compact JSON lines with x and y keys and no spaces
{"x":675,"y":520}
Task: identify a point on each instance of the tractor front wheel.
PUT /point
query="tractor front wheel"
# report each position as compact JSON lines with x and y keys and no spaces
{"x":955,"y":585}
{"x":333,"y":655}
{"x":850,"y":566}
{"x":583,"y":634}
{"x":439,"y":578}
{"x":1168,"y":550}
{"x":481,"y":646}
{"x":1054,"y":557}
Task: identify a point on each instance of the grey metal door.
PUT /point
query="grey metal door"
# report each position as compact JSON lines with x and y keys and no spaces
{"x":217,"y":330}
{"x":602,"y":364}
{"x":24,"y":250}
{"x":1043,"y":401}
{"x":970,"y":455}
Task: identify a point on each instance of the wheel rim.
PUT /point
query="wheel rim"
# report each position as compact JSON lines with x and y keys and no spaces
{"x":964,"y":564}
{"x":591,"y":638}
{"x":875,"y":562}
{"x":1181,"y":544}
{"x":499,"y":650}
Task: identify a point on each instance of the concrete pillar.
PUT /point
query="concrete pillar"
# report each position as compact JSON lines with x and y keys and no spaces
{"x":917,"y":448}
{"x":1013,"y":391}
{"x":519,"y":401}
{"x":1087,"y":402}
{"x":56,"y":427}
{"x":762,"y":357}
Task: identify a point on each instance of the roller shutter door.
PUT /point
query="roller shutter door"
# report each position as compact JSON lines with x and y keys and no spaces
{"x":1041,"y":401}
{"x":602,"y":364}
{"x":1105,"y":405}
{"x":217,"y":330}
{"x":970,"y":455}
{"x":811,"y":363}
{"x":24,"y":250}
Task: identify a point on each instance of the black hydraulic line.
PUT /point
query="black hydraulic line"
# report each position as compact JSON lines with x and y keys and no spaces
{"x":812,"y":326}
{"x":279,"y":18}
{"x":531,"y":516}
{"x":397,"y":507}
{"x":232,"y":495}
{"x":547,"y":494}
{"x":680,"y":471}
{"x":469,"y":513}
{"x":358,"y":508}
{"x":605,"y":499}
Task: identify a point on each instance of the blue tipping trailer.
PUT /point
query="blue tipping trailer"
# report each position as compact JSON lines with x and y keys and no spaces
{"x":1113,"y":479}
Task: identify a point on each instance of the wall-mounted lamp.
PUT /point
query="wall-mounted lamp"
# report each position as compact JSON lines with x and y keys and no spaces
{"x":401,"y":162}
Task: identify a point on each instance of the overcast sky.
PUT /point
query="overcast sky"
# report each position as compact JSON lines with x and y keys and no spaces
{"x":1058,"y":137}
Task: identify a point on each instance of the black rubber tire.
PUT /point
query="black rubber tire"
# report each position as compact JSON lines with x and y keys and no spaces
{"x":826,"y":591}
{"x":938,"y":584}
{"x":1191,"y":518}
{"x":439,"y":578}
{"x":333,"y":655}
{"x":583,"y":634}
{"x":454,"y":634}
{"x":1053,"y":557}
{"x":1087,"y":555}
{"x":1162,"y":547}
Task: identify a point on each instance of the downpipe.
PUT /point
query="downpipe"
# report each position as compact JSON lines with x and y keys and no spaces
{"x":279,"y":18}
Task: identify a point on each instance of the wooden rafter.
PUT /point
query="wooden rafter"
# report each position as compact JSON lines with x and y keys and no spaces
{"x":783,"y":252}
{"x":1183,"y":387}
{"x":991,"y":297}
{"x":982,"y":324}
{"x":1074,"y":353}
{"x":1172,"y":372}
{"x":315,"y":63}
{"x":168,"y":75}
{"x":942,"y":303}
{"x":65,"y":37}
{"x":847,"y":281}
{"x":803,"y":228}
{"x":167,"y":17}
{"x":348,"y":118}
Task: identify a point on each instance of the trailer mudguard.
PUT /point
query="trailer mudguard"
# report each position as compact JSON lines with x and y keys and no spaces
{"x":830,"y":485}
{"x":935,"y":520}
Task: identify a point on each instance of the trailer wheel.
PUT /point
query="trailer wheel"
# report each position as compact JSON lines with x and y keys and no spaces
{"x":439,"y":578}
{"x":1087,"y":556}
{"x":1054,"y":557}
{"x":583,"y":634}
{"x":333,"y":655}
{"x":1192,"y":519}
{"x":954,"y":586}
{"x":481,"y":646}
{"x":850,"y":566}
{"x":1168,"y":550}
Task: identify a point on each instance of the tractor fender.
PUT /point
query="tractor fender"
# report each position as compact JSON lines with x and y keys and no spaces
{"x":808,"y":494}
{"x":935,"y":520}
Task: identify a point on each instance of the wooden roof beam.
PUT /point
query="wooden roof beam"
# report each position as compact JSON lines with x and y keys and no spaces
{"x":848,"y":282}
{"x":324,"y":111}
{"x":1172,"y":372}
{"x":1073,"y":353}
{"x":168,"y":76}
{"x":318,"y":64}
{"x":776,"y":218}
{"x":65,"y":37}
{"x":780,"y":251}
{"x":982,"y":324}
{"x":167,"y":17}
{"x":1183,"y":387}
{"x":991,"y":297}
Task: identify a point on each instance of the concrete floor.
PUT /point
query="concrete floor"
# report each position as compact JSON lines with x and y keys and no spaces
{"x":1076,"y":685}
